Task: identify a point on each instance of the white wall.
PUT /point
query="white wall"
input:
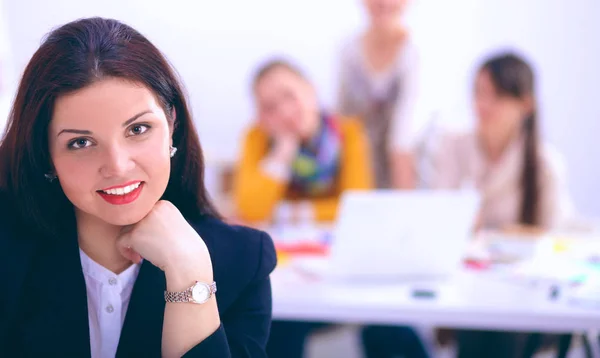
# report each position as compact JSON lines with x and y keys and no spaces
{"x":7,"y":70}
{"x":215,"y":46}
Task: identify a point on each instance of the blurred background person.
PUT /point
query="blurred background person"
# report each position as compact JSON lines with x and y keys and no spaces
{"x":300,"y":153}
{"x":378,"y":84}
{"x":520,"y":178}
{"x":296,"y":152}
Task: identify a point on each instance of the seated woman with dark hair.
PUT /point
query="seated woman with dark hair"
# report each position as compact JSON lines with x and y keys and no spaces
{"x":521,"y":182}
{"x":521,"y":179}
{"x":109,"y":245}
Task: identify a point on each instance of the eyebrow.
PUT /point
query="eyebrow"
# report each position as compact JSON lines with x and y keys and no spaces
{"x":86,"y":132}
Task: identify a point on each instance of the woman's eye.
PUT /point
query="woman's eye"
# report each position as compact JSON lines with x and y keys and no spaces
{"x":79,"y":143}
{"x":138,"y":129}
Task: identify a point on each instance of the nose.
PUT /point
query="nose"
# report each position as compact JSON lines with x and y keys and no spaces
{"x":116,"y":161}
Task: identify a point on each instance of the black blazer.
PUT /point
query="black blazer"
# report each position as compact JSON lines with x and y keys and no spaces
{"x":43,"y":303}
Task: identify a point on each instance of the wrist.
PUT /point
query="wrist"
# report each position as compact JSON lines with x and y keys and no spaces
{"x":285,"y":150}
{"x":185,"y":269}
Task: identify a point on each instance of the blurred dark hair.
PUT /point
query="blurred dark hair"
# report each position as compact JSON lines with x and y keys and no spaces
{"x":513,"y":76}
{"x":70,"y":58}
{"x":274,"y":64}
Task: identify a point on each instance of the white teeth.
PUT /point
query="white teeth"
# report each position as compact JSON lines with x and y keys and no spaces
{"x":122,"y":191}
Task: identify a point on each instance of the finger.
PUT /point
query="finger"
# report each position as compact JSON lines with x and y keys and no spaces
{"x":126,"y":229}
{"x":126,"y":250}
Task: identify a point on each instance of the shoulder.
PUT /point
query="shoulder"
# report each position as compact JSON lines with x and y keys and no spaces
{"x":350,"y":126}
{"x":350,"y":49}
{"x":350,"y":45}
{"x":409,"y":56}
{"x":553,"y":163}
{"x":11,"y":237}
{"x":255,"y":134}
{"x":255,"y":139}
{"x":458,"y":140}
{"x":17,"y":250}
{"x":240,"y":255}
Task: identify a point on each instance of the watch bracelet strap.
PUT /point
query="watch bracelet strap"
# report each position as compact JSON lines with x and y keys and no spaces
{"x":176,"y":297}
{"x":186,"y":296}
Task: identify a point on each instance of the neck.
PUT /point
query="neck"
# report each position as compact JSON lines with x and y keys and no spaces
{"x":384,"y":34}
{"x":314,"y":130}
{"x":98,"y":240}
{"x":494,"y":146}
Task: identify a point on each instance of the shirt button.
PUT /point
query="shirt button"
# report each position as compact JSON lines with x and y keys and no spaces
{"x":110,"y":309}
{"x":112,"y":281}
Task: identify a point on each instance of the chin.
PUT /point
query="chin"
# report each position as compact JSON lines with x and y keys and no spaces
{"x":122,"y":215}
{"x":122,"y":220}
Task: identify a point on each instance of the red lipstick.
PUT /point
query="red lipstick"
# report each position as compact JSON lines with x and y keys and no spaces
{"x":121,"y":199}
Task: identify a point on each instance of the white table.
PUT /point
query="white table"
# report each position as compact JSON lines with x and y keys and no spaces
{"x":471,"y":299}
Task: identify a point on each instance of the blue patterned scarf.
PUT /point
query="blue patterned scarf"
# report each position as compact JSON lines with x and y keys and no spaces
{"x":316,"y":166}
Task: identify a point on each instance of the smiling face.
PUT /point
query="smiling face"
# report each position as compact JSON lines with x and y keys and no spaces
{"x":109,"y":145}
{"x":286,"y":103}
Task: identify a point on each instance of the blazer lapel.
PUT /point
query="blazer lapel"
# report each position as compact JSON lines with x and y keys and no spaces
{"x":141,"y":335}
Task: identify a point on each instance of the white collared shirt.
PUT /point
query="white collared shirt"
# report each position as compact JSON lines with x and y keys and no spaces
{"x":460,"y":162}
{"x":108,"y":296}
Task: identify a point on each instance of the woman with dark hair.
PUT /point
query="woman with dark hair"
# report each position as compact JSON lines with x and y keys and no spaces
{"x":521,"y":180}
{"x":109,"y":245}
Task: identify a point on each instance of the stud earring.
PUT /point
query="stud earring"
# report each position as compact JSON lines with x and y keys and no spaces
{"x":172,"y":151}
{"x":50,"y":177}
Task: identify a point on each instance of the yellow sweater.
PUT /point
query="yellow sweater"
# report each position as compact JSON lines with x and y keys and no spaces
{"x":256,"y":194}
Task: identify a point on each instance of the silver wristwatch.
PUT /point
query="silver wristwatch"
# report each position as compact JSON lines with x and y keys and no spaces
{"x":199,"y":292}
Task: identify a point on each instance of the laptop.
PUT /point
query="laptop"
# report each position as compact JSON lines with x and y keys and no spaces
{"x":405,"y":235}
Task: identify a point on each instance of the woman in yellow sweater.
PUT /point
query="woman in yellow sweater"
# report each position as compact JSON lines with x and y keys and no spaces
{"x":296,"y":152}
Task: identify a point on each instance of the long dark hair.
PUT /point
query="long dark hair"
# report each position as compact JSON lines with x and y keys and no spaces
{"x":72,"y":57}
{"x":513,"y":76}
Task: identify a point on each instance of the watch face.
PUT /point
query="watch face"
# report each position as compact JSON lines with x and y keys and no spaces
{"x":200,"y":292}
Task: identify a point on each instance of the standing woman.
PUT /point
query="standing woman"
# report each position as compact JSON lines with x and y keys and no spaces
{"x":378,"y":84}
{"x":521,"y":180}
{"x":109,"y":245}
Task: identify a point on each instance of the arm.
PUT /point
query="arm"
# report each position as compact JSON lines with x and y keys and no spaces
{"x":186,"y":324}
{"x":403,"y":167}
{"x":355,"y":171}
{"x":446,"y":162}
{"x":244,"y":330}
{"x":169,"y":242}
{"x":556,"y":206}
{"x":261,"y":178}
{"x":402,"y":162}
{"x":345,"y":105}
